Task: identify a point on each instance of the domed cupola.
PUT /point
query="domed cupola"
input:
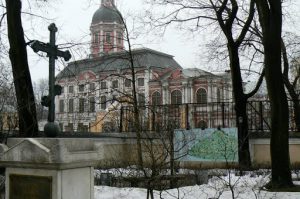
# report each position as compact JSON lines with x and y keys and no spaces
{"x":106,"y":15}
{"x":107,"y":29}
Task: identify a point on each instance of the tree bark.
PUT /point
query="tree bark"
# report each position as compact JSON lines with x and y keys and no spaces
{"x":270,"y":17}
{"x":28,"y":125}
{"x":240,"y":107}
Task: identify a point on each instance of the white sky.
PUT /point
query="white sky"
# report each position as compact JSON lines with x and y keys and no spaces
{"x":73,"y":18}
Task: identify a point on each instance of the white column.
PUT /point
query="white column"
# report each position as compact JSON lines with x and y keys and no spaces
{"x":192,"y":93}
{"x":146,"y":85}
{"x":209,"y":91}
{"x":165,"y":92}
{"x":115,"y":42}
{"x":184,"y":92}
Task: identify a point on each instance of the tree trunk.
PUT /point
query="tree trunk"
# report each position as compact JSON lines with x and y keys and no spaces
{"x":296,"y":107}
{"x":270,"y":16}
{"x":28,"y":125}
{"x":240,"y":107}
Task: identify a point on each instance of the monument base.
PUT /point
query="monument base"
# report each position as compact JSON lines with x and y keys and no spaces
{"x":49,"y":168}
{"x":50,"y":184}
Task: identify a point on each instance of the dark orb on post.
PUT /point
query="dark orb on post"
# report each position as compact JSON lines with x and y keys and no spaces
{"x":51,"y":129}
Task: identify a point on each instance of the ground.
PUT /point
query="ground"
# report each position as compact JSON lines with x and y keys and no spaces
{"x":245,"y":187}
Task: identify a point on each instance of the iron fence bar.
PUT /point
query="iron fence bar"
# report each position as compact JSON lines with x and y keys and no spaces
{"x":214,"y":113}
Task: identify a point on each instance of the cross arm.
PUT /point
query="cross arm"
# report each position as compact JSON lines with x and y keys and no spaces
{"x":50,"y":50}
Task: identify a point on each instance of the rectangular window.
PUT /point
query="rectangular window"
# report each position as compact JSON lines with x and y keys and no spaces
{"x":71,"y":89}
{"x":108,"y":37}
{"x":71,"y":105}
{"x":61,"y":106}
{"x":103,"y":102}
{"x":127,"y":83}
{"x":82,"y":128}
{"x":141,"y":82}
{"x":92,"y":86}
{"x":141,"y":99}
{"x":69,"y":127}
{"x":115,"y":84}
{"x":92,"y":104}
{"x":96,"y":38}
{"x":81,"y":105}
{"x":81,"y":88}
{"x":119,"y":39}
{"x":114,"y":98}
{"x":103,"y":85}
{"x":62,"y":90}
{"x":79,"y":127}
{"x":61,"y":126}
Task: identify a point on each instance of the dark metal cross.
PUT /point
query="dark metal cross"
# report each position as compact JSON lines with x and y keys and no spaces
{"x":53,"y":53}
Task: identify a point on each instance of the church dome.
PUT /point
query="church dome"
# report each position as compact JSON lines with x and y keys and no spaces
{"x":107,"y":14}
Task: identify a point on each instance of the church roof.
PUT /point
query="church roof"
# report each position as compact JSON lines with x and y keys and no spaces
{"x":143,"y":57}
{"x":187,"y":73}
{"x":107,"y":15}
{"x":195,"y":72}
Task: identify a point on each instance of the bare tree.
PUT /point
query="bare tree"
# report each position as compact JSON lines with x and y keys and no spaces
{"x":234,"y":19}
{"x":8,"y":112}
{"x":40,"y":88}
{"x":291,"y":74}
{"x":28,"y":124}
{"x":270,"y":17}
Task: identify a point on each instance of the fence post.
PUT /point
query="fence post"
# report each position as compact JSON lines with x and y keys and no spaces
{"x":153,"y":119}
{"x":261,"y":118}
{"x":187,"y":124}
{"x":223,"y":115}
{"x":121,"y":120}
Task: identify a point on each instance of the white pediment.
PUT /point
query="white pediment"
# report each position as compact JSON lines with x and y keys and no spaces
{"x":28,"y":150}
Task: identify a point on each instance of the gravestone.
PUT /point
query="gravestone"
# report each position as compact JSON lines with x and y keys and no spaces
{"x":49,"y":168}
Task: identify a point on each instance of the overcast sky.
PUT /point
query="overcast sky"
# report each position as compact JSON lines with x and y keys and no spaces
{"x":73,"y":19}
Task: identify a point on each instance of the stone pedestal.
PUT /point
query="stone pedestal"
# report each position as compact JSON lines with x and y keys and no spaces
{"x":49,"y":168}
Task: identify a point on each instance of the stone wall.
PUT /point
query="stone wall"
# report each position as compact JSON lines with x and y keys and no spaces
{"x":121,"y":151}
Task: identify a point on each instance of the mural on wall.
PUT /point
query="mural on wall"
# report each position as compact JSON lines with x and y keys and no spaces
{"x":214,"y":145}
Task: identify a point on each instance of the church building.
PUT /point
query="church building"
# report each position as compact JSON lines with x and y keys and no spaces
{"x":95,"y":88}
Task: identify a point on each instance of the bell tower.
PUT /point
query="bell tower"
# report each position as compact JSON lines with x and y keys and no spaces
{"x":107,"y":29}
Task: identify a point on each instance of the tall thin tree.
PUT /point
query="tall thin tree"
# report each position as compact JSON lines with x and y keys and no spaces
{"x":28,"y":125}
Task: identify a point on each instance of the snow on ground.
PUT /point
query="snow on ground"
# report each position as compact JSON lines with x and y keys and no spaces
{"x":245,"y":187}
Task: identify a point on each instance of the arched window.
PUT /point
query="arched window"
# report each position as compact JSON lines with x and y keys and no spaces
{"x":201,"y":96}
{"x":176,"y":97}
{"x":156,"y":98}
{"x":96,"y":38}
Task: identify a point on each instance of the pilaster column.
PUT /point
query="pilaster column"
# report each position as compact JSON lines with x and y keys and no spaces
{"x":115,"y":49}
{"x":184,"y":85}
{"x":165,"y":86}
{"x":191,"y":93}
